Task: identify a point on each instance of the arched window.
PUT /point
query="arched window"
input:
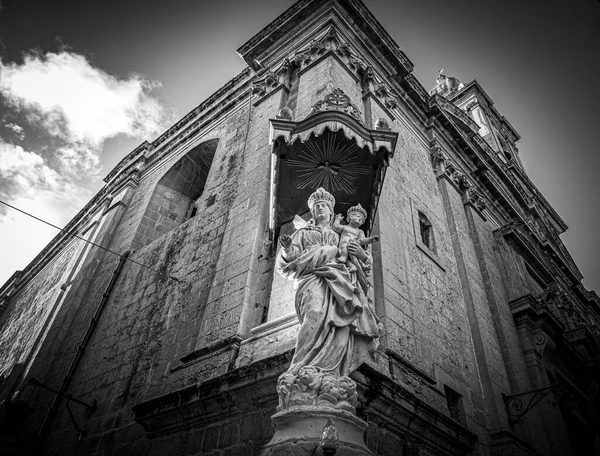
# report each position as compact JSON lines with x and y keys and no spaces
{"x":176,"y":193}
{"x":426,"y":232}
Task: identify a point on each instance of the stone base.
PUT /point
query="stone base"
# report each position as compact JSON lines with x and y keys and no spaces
{"x":298,"y":432}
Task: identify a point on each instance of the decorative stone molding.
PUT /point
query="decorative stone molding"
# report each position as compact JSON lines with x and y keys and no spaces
{"x":477,"y":200}
{"x":470,"y":106}
{"x":463,"y":182}
{"x":337,"y":100}
{"x":563,"y":307}
{"x":552,"y":317}
{"x":135,"y":159}
{"x":444,"y":167}
{"x":417,"y":88}
{"x":330,"y":42}
{"x":313,"y":387}
{"x":382,"y":124}
{"x":285,"y":113}
{"x":368,"y":80}
{"x":383,"y":92}
{"x":544,"y":346}
{"x":270,"y":80}
{"x":438,"y":160}
{"x":456,"y":113}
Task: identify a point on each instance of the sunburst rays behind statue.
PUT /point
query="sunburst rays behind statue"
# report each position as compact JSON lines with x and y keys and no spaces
{"x":329,"y":164}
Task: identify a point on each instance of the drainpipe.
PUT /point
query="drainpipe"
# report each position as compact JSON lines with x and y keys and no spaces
{"x":80,"y":350}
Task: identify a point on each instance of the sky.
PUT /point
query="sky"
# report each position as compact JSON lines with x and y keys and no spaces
{"x":83,"y":83}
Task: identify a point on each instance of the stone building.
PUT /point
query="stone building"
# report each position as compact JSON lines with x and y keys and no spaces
{"x":174,"y":346}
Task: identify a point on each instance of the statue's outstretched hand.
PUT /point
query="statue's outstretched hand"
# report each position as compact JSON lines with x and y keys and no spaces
{"x":339,"y":217}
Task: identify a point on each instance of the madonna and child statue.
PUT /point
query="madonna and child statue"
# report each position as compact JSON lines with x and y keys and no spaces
{"x":330,"y":263}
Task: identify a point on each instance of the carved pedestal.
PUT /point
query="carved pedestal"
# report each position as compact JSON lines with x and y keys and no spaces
{"x":299,"y":431}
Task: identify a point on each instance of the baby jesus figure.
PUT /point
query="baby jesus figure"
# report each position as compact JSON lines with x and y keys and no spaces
{"x":355,"y":217}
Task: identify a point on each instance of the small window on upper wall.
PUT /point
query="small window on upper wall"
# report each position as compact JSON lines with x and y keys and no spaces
{"x":426,"y":232}
{"x":455,"y":404}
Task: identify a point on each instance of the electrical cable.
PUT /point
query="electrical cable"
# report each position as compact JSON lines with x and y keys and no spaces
{"x":90,"y":242}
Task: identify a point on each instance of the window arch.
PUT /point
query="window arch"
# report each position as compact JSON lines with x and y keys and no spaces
{"x":176,"y":194}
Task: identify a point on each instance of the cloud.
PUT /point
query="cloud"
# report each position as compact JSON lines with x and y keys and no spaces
{"x":75,"y":107}
{"x":18,"y":131}
{"x":25,"y":176}
{"x":79,"y":107}
{"x":81,"y":103}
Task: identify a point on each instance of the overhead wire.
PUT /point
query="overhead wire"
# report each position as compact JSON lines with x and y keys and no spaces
{"x":62,"y":230}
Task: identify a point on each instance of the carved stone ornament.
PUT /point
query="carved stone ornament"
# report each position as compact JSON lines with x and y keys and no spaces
{"x":438,"y":160}
{"x":337,"y":100}
{"x":382,"y":124}
{"x":562,"y":307}
{"x":270,"y":80}
{"x":330,"y":42}
{"x":383,"y":92}
{"x":285,"y":113}
{"x":313,"y":387}
{"x":456,"y":113}
{"x":463,"y":182}
{"x":477,"y":199}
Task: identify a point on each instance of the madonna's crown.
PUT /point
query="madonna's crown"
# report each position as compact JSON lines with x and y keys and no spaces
{"x":358,"y":208}
{"x":321,"y":195}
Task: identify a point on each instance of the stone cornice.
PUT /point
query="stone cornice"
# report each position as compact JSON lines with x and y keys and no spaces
{"x":539,"y":197}
{"x":56,"y":245}
{"x":330,"y":34}
{"x":205,"y":105}
{"x":517,"y":232}
{"x":269,"y":34}
{"x":484,"y":157}
{"x":387,"y":403}
{"x":239,"y":391}
{"x":417,"y":88}
{"x":474,"y":86}
{"x":214,"y":399}
{"x":131,"y":157}
{"x":379,"y":35}
{"x":8,"y":288}
{"x":361,"y":17}
{"x":495,"y":186}
{"x":508,"y":168}
{"x":454,"y":111}
{"x":225,"y":99}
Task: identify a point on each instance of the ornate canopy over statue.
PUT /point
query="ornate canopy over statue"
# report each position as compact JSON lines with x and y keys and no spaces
{"x":330,"y":148}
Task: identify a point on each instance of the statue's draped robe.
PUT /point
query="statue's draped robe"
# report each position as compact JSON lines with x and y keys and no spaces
{"x":338,"y":327}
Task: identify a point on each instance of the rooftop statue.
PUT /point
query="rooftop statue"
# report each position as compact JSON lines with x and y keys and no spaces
{"x":338,"y":326}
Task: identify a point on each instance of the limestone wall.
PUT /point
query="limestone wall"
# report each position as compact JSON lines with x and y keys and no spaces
{"x":194,"y":342}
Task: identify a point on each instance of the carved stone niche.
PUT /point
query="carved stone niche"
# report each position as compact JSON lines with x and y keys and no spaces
{"x":330,"y":148}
